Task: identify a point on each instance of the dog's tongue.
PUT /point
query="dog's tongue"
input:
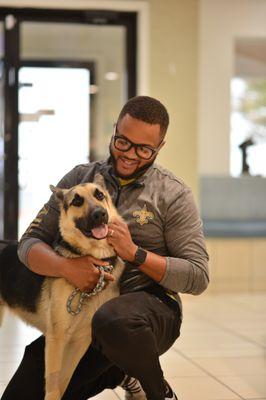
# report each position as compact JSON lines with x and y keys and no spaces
{"x":100,"y":232}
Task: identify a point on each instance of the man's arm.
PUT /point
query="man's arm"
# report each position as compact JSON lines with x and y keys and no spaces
{"x":187,"y":263}
{"x":186,"y":268}
{"x":80,"y":272}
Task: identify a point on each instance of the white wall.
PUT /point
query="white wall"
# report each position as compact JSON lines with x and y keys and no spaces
{"x":221,"y":21}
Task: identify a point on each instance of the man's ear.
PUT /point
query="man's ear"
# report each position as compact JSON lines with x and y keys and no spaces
{"x":59,"y":193}
{"x":161,"y":145}
{"x":99,"y":180}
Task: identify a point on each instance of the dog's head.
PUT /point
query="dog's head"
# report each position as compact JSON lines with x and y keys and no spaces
{"x":85,"y":211}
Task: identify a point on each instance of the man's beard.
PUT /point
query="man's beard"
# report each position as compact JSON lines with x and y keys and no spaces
{"x":138,"y":172}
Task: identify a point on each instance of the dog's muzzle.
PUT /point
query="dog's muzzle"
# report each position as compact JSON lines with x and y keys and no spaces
{"x":95,"y":224}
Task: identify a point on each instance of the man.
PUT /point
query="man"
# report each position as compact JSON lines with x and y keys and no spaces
{"x":163,"y":247}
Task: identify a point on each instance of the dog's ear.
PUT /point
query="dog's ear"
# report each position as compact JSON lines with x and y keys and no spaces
{"x":59,"y":193}
{"x":99,"y":180}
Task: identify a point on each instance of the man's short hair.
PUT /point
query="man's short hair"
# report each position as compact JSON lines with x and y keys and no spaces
{"x":147,"y":109}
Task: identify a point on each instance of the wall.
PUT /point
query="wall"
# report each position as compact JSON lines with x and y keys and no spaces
{"x":173,"y":78}
{"x":237,"y":265}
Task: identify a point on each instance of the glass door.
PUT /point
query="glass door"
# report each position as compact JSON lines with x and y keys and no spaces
{"x":53,"y":131}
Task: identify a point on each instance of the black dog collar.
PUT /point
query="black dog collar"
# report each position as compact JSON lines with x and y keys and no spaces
{"x":68,"y":246}
{"x":74,"y":250}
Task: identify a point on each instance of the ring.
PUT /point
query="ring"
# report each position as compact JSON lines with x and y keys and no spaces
{"x":111,"y":232}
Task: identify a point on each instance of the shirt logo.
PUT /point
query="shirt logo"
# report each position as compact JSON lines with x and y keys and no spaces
{"x":143,"y":216}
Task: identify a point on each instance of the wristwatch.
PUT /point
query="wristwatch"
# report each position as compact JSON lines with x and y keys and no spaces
{"x":140,"y":257}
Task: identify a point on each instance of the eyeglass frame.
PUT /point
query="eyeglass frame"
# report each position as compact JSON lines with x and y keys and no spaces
{"x":135,"y":145}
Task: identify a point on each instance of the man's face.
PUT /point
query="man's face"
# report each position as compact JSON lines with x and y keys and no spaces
{"x":127,"y":163}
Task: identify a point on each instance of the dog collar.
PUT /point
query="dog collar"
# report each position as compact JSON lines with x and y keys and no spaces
{"x":68,"y":246}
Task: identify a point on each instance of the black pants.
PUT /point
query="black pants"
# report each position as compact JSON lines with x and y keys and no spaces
{"x":129,"y":334}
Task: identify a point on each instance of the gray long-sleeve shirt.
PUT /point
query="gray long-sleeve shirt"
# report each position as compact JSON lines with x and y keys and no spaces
{"x":162,"y":218}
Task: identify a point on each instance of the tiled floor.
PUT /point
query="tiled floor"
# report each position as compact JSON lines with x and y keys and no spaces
{"x":221,"y":354}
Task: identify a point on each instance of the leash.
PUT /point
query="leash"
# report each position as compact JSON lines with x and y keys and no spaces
{"x":87,"y":295}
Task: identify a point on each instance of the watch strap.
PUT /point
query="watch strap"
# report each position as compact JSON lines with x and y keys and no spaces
{"x":140,"y":257}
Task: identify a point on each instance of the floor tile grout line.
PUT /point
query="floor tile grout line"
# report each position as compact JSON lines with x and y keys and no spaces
{"x":206,"y":371}
{"x":239,"y":304}
{"x":225,"y":329}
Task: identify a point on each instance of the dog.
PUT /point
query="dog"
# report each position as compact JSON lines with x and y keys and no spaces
{"x":51,"y":304}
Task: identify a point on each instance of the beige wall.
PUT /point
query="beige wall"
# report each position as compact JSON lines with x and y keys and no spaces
{"x":220,"y":23}
{"x":173,"y":79}
{"x":237,"y":264}
{"x":171,"y":71}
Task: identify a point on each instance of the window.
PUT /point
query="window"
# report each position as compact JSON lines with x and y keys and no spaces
{"x":248,"y":114}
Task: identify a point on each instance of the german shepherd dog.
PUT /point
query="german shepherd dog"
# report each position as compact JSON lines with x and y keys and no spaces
{"x":85,"y":211}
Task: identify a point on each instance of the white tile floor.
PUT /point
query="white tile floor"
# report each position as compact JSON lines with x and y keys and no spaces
{"x":221,"y":354}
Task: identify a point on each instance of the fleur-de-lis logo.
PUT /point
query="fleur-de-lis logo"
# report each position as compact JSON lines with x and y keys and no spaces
{"x":143,"y":216}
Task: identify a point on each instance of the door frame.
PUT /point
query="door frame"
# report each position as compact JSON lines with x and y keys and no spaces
{"x":12,"y":18}
{"x":140,"y":7}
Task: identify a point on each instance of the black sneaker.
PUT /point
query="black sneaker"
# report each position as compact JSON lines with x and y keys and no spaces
{"x":169,"y":394}
{"x":132,"y":388}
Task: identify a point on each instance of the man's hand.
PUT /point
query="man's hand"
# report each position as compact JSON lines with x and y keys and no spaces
{"x":82,"y":273}
{"x":120,"y":238}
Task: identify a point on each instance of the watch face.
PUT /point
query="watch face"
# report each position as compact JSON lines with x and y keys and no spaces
{"x":140,"y":256}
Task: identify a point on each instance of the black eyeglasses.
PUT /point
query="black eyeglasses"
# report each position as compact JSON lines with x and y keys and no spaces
{"x":143,"y":151}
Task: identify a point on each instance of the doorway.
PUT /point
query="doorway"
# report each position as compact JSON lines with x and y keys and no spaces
{"x":34,"y":134}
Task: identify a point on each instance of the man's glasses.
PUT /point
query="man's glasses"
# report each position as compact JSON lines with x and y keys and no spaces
{"x":142,"y":150}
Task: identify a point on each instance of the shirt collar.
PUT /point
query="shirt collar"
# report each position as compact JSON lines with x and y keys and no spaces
{"x":107,"y":169}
